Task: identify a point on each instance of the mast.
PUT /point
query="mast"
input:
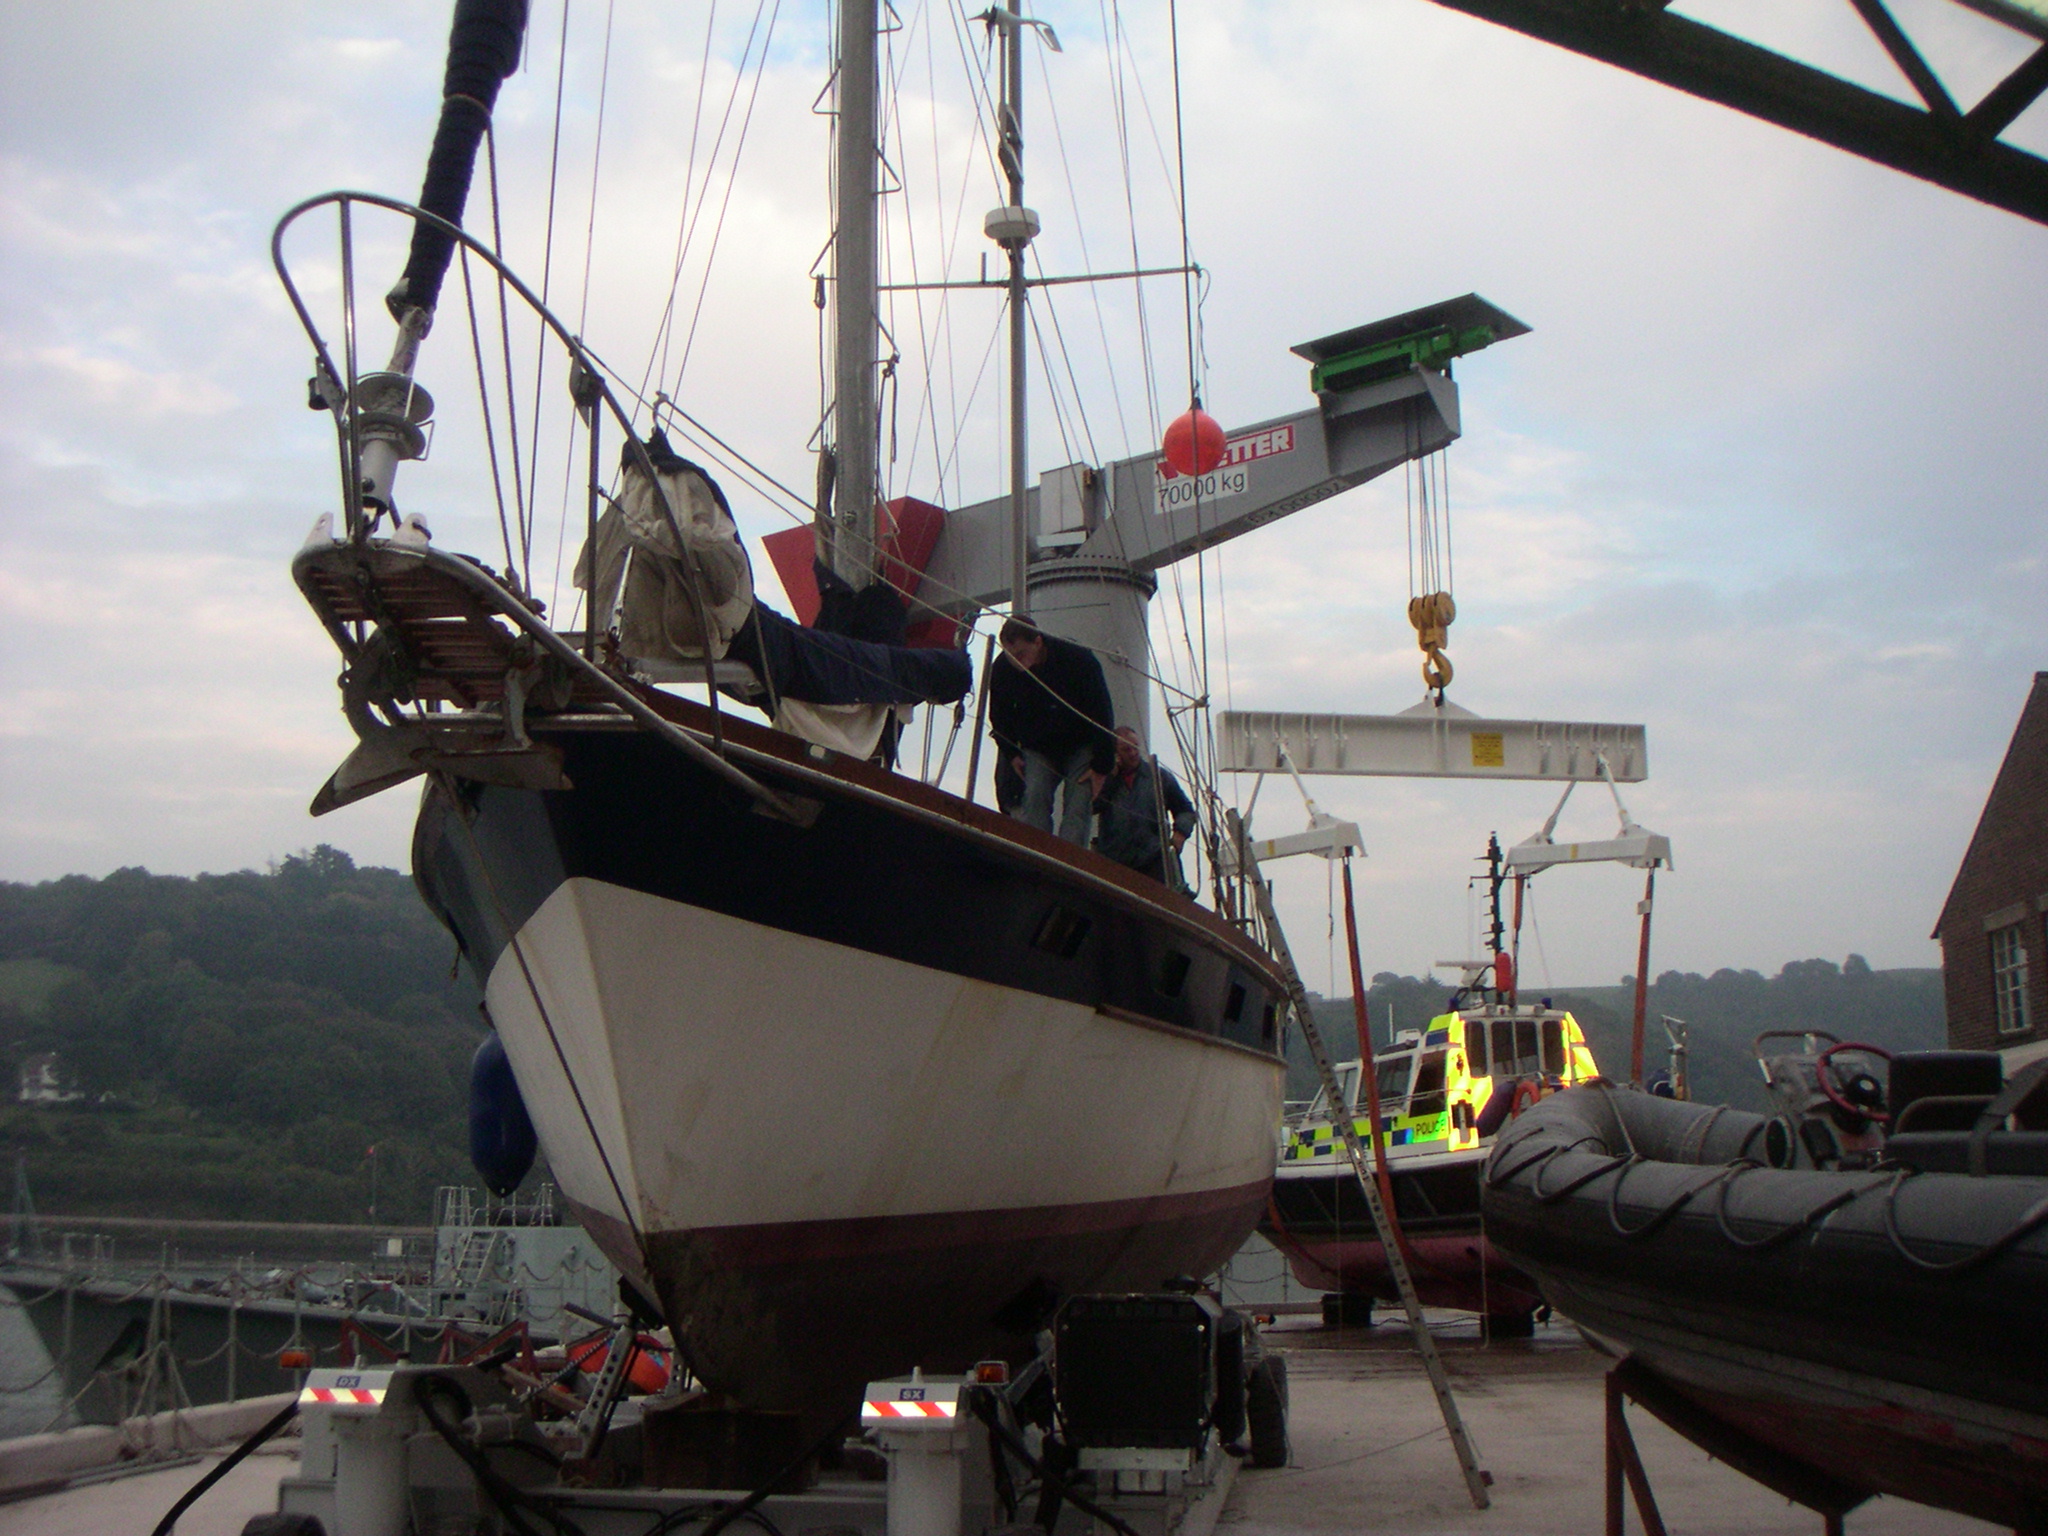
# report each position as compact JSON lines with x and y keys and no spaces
{"x":850,"y":538}
{"x":1012,"y":226}
{"x":1020,"y":435}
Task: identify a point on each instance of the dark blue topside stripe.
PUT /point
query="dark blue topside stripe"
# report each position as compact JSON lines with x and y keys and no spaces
{"x":861,"y":875}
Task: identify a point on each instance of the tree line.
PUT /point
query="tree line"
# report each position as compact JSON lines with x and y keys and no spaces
{"x":1723,"y":1013}
{"x":279,"y":1045}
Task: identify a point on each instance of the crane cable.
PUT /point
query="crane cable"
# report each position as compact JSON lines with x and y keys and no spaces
{"x":1431,"y":571}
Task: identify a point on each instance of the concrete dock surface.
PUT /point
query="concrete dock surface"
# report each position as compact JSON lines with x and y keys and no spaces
{"x":132,"y":1505}
{"x":1369,"y":1454}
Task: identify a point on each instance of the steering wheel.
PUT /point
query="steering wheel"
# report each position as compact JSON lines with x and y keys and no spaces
{"x":1824,"y":1072}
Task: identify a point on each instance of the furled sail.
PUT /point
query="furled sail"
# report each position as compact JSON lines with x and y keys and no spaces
{"x":483,"y":48}
{"x":665,"y":587}
{"x":672,"y":580}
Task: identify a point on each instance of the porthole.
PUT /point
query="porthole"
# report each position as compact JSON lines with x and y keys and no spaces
{"x":1173,"y":973}
{"x":1062,"y":931}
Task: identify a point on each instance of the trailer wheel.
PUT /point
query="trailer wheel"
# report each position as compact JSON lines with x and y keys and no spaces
{"x":1511,"y":1325}
{"x":1265,"y":1411}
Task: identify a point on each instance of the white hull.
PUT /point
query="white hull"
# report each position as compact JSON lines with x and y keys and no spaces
{"x":736,"y":1075}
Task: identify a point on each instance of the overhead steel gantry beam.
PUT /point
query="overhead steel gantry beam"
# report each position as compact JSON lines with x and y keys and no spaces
{"x":1938,"y":141}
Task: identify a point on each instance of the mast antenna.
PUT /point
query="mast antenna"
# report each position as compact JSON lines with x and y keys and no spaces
{"x":1013,"y":227}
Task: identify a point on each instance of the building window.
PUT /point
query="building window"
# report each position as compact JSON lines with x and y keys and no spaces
{"x":2009,"y":979}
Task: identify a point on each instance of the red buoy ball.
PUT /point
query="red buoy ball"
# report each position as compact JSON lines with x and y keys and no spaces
{"x":1194,"y":443}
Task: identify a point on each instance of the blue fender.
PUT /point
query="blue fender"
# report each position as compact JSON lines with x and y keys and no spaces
{"x":501,"y":1139}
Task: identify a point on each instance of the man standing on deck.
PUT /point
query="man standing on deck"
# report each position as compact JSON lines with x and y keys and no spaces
{"x":1049,"y":711}
{"x":1145,"y":814}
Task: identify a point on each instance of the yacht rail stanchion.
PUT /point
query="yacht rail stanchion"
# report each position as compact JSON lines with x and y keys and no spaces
{"x":1476,"y":1477}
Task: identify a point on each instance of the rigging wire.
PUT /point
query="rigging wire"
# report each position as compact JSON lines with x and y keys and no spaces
{"x":547,"y":269}
{"x":931,"y":353}
{"x":731,"y":183}
{"x":604,"y":79}
{"x":1113,"y":26}
{"x":1180,"y":160}
{"x":1087,"y":260}
{"x":660,"y":345}
{"x":483,"y":390}
{"x":693,"y":214}
{"x":519,"y":507}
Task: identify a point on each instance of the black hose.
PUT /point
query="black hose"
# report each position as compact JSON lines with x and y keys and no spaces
{"x":1784,"y":1233}
{"x":984,"y":1409}
{"x":507,"y":1498}
{"x":1677,"y":1204}
{"x":228,"y":1464}
{"x":676,"y":1518}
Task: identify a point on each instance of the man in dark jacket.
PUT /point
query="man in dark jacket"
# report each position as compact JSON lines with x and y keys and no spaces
{"x":1145,"y":814}
{"x":1049,"y":711}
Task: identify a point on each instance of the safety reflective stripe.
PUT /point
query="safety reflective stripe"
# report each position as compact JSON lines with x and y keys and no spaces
{"x":342,"y":1395}
{"x":891,"y":1408}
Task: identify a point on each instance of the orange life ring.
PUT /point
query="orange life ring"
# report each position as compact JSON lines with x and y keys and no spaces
{"x":1527,"y":1092}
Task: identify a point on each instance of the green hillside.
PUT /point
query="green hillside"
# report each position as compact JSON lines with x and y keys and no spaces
{"x":1900,"y":1010}
{"x":241,"y":1042}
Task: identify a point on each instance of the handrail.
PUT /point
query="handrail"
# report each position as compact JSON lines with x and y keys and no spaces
{"x":592,"y":373}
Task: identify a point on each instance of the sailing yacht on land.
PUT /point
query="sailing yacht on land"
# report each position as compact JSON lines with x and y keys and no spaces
{"x":844,"y":1072}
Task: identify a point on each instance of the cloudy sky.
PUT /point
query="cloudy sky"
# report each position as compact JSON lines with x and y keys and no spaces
{"x":1768,"y":474}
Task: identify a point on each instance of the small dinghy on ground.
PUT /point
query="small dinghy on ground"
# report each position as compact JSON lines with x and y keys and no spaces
{"x":1837,"y":1311}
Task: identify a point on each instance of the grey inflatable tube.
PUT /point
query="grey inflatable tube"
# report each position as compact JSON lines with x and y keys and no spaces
{"x":1656,"y":1226}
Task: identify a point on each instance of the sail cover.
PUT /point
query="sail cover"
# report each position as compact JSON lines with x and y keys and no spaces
{"x":647,"y":598}
{"x":672,"y":580}
{"x":483,"y":48}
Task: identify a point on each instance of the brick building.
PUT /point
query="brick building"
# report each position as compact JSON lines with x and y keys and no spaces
{"x":1994,"y":925}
